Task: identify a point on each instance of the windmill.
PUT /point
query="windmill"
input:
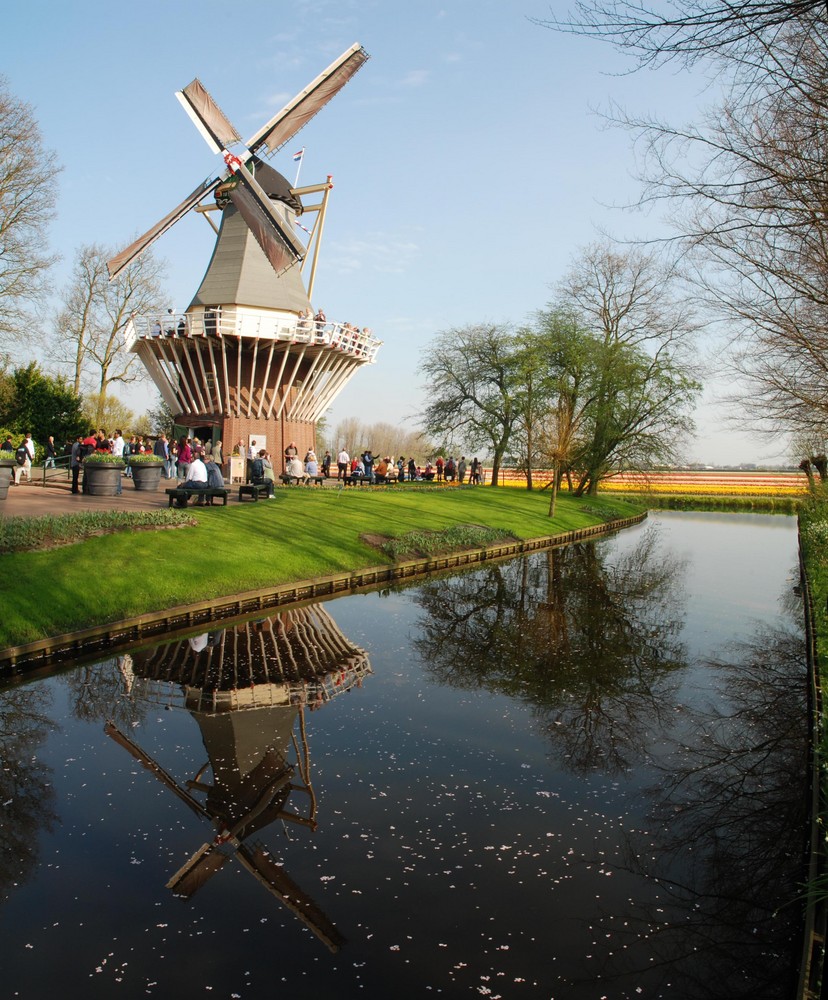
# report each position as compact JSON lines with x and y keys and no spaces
{"x":248,"y":689}
{"x":246,"y":360}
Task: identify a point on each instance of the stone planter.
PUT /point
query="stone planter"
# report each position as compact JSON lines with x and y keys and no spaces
{"x":101,"y":479}
{"x":6,"y":468}
{"x":147,"y":476}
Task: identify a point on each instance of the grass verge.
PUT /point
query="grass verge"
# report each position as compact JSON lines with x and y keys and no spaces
{"x":301,"y":535}
{"x":689,"y":501}
{"x":20,"y":534}
{"x":813,"y":540}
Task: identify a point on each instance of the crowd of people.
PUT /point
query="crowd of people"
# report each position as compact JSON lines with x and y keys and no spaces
{"x":343,"y":335}
{"x":366,"y":467}
{"x":198,"y":464}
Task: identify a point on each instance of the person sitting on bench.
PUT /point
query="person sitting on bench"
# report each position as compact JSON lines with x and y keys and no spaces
{"x":257,"y":473}
{"x":196,"y":478}
{"x":215,"y":480}
{"x":381,"y":470}
{"x":296,"y":470}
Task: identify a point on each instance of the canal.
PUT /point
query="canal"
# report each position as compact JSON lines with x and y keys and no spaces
{"x":575,"y":775}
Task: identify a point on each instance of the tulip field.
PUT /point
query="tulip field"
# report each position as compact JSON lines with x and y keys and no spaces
{"x":710,"y":483}
{"x":690,"y":483}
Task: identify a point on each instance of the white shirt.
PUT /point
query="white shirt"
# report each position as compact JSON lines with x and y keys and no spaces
{"x":30,"y":448}
{"x":197,"y":473}
{"x":118,"y":445}
{"x":343,"y":457}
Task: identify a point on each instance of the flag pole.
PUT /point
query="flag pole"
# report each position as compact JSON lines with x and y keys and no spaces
{"x":299,"y":157}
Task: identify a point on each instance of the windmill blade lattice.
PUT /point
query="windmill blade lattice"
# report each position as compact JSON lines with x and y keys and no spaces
{"x":298,"y":112}
{"x":134,"y":250}
{"x":207,"y":116}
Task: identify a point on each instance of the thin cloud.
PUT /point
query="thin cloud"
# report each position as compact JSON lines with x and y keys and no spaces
{"x":415,"y":78}
{"x":382,"y":254}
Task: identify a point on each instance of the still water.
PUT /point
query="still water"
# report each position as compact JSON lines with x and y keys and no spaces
{"x":579,"y":775}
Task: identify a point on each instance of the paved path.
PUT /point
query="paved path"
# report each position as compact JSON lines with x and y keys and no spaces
{"x":57,"y":498}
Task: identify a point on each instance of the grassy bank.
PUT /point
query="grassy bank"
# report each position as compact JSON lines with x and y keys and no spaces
{"x":300,"y":535}
{"x":679,"y":501}
{"x":813,"y":535}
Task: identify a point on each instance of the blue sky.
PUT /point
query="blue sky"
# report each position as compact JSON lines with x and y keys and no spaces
{"x":468,"y":163}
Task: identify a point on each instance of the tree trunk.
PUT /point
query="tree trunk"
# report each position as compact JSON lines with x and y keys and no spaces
{"x":554,"y":496}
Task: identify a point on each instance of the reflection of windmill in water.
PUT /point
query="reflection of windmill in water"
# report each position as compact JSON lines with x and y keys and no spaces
{"x":245,"y":359}
{"x":247,"y":687}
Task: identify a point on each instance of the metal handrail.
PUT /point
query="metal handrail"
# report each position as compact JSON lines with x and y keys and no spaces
{"x":62,"y":463}
{"x":229,"y":322}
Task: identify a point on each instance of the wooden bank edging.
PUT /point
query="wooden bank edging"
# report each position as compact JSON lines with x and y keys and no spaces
{"x":118,"y":636}
{"x":816,"y":910}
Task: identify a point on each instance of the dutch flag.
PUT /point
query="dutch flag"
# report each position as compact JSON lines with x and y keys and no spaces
{"x":297,"y":157}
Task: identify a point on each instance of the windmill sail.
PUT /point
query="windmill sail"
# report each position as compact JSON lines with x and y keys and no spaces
{"x":260,"y":864}
{"x":125,"y":257}
{"x":273,"y":234}
{"x":279,"y":244}
{"x":207,"y":116}
{"x":197,"y":870}
{"x":298,"y":112}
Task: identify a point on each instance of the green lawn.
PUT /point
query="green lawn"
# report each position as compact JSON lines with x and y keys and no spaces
{"x":300,"y":535}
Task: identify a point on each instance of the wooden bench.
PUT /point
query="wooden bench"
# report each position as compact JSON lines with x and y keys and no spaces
{"x":296,"y":480}
{"x":179,"y":495}
{"x":253,"y":490}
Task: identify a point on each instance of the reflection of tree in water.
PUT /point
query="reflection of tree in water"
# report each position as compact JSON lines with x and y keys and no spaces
{"x":26,"y":786}
{"x":104,"y":691}
{"x":591,"y":644}
{"x":727,"y":837}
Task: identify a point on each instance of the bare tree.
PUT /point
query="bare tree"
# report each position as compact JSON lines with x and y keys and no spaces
{"x":75,"y":321}
{"x":746,"y":186}
{"x":474,"y":387}
{"x":28,"y":192}
{"x":89,"y":327}
{"x":751,"y":212}
{"x":686,"y":30}
{"x":348,"y":434}
{"x":381,"y":438}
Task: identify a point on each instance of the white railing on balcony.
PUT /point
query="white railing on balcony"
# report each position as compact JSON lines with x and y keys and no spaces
{"x":229,"y":322}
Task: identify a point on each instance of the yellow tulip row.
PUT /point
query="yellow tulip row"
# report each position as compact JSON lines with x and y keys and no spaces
{"x":705,"y":489}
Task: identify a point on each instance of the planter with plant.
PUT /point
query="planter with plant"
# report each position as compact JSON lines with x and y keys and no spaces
{"x":6,"y":469}
{"x":146,"y":471}
{"x":102,"y":474}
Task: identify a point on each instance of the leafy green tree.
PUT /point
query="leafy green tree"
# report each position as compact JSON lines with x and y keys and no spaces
{"x":474,"y":388}
{"x":556,"y":362}
{"x":638,"y":415}
{"x":43,"y":405}
{"x":642,"y":384}
{"x":107,"y":415}
{"x":161,"y":418}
